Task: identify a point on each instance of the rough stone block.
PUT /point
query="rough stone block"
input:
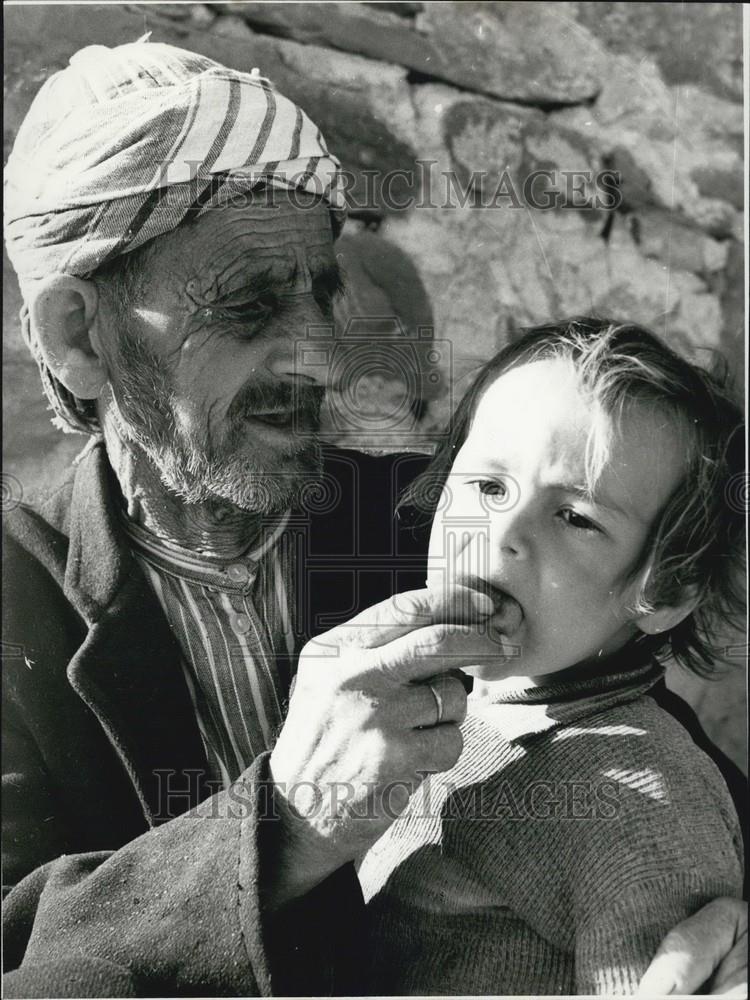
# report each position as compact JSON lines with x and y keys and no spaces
{"x":365,"y":30}
{"x":661,"y":236}
{"x":202,"y":15}
{"x":512,"y":50}
{"x":231,"y":26}
{"x":404,"y":9}
{"x":696,"y":43}
{"x":533,"y":52}
{"x":675,"y":148}
{"x":717,"y":182}
{"x":486,"y":153}
{"x":488,"y":272}
{"x":176,"y":11}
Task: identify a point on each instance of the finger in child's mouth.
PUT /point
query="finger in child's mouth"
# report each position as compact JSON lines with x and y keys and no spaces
{"x":508,"y":615}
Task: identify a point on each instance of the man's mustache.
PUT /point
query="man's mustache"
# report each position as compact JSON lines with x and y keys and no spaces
{"x":270,"y":397}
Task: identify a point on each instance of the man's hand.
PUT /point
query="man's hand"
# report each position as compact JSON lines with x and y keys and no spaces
{"x":709,"y":949}
{"x":362,"y":732}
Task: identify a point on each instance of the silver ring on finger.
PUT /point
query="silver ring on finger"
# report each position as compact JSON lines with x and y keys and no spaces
{"x":438,"y":702}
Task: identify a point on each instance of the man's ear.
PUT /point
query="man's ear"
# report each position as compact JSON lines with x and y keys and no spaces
{"x":62,"y":312}
{"x":667,"y":616}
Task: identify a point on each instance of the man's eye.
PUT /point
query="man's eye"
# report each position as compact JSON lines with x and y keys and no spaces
{"x":252,"y":311}
{"x":328,"y":288}
{"x":578,"y":521}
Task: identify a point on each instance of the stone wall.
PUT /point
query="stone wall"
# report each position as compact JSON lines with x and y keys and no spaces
{"x":507,"y":163}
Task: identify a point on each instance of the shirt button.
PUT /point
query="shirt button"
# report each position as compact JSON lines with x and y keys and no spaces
{"x":237,"y":572}
{"x":240,"y":624}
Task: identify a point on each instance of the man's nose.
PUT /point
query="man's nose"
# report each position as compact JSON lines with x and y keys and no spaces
{"x":302,"y":348}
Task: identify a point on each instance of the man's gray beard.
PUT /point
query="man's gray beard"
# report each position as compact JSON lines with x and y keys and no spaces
{"x":244,"y":482}
{"x":268,"y":482}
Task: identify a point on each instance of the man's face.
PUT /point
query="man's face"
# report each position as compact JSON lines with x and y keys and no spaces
{"x":517,"y":517}
{"x":203,"y":366}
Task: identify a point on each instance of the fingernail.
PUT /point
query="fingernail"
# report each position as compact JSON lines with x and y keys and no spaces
{"x":483,"y":603}
{"x":656,"y":982}
{"x":466,"y":680}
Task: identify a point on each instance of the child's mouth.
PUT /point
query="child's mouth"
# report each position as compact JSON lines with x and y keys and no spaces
{"x":508,"y":614}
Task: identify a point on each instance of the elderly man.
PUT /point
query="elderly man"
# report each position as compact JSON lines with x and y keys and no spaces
{"x":172,"y":225}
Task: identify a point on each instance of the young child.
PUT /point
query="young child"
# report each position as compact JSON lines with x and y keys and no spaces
{"x":586,"y":486}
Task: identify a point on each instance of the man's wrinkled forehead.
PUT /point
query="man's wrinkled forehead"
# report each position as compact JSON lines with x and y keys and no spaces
{"x":286,"y":242}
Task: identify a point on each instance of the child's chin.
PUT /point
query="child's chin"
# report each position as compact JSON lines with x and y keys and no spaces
{"x":493,"y":671}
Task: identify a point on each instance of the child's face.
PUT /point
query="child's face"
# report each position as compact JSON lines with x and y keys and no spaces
{"x":514,"y":515}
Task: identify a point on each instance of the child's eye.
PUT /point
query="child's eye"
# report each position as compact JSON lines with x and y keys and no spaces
{"x":576,"y":520}
{"x":489,"y":487}
{"x":496,"y":495}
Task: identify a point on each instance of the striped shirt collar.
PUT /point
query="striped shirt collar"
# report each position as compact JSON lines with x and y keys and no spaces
{"x":529,"y":710}
{"x":229,"y":574}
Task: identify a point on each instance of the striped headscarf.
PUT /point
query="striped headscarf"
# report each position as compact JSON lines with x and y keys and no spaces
{"x":125,"y":143}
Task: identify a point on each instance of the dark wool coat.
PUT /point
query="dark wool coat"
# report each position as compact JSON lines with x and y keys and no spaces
{"x":134,"y":879}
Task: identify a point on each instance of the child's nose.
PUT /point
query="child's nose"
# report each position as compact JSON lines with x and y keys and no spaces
{"x":510,"y":533}
{"x":481,"y":550}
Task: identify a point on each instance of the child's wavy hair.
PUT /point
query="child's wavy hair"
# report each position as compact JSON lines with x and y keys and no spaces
{"x":697,"y":543}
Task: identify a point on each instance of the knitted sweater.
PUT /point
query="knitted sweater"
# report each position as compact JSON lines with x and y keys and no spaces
{"x":580,"y":824}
